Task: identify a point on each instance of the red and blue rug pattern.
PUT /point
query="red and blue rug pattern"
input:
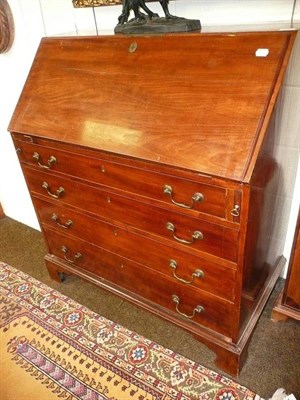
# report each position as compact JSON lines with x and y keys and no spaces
{"x":53,"y":347}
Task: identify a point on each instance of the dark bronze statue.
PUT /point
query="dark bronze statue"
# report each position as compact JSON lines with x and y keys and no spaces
{"x":151,"y":23}
{"x":135,"y":5}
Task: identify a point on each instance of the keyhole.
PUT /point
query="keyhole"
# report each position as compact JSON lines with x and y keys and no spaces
{"x":133,"y":46}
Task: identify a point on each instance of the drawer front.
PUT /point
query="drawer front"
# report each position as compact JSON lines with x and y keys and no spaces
{"x":177,"y":265}
{"x":190,"y":304}
{"x":161,"y":187}
{"x":187,"y":232}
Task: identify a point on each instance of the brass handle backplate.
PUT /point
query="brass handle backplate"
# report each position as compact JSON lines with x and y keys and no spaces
{"x":198,"y":309}
{"x":197,"y":274}
{"x":66,"y":225}
{"x":60,"y":191}
{"x":196,"y":198}
{"x":65,"y":250}
{"x":51,"y":161}
{"x":197,"y":235}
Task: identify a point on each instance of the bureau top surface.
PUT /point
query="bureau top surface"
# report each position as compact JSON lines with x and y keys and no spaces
{"x":194,"y":101}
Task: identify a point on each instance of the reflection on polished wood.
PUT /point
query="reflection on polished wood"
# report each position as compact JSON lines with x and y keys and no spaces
{"x":164,"y":175}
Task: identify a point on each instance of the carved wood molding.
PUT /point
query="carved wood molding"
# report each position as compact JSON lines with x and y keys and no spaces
{"x":7,"y":30}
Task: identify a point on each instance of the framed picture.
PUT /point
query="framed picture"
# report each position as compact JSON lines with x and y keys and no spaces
{"x":97,"y":3}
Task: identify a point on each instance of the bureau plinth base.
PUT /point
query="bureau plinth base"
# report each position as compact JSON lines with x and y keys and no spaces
{"x":56,"y":273}
{"x":230,"y":358}
{"x":282,"y":312}
{"x":230,"y":361}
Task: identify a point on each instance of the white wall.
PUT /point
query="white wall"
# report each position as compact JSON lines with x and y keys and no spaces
{"x":37,"y":18}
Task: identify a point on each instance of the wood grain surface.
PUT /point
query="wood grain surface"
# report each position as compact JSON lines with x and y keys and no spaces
{"x":193,"y":101}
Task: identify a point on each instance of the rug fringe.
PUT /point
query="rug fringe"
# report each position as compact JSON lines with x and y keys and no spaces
{"x":280,"y":394}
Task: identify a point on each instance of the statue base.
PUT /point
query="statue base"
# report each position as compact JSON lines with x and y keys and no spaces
{"x":159,"y":25}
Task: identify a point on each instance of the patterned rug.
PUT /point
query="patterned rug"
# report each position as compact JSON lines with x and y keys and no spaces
{"x":54,"y":348}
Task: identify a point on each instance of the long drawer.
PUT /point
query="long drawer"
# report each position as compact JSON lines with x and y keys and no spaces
{"x":189,"y":232}
{"x":177,"y":265}
{"x":202,"y":198}
{"x":192,"y":304}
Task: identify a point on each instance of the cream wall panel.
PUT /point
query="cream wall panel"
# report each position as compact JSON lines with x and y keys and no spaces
{"x":58,"y":16}
{"x":107,"y":19}
{"x":287,"y":158}
{"x":61,"y":18}
{"x":14,"y":67}
{"x":84,"y":21}
{"x":30,"y":11}
{"x":293,"y":73}
{"x":287,"y":132}
{"x":296,"y":15}
{"x":280,"y":220}
{"x":236,"y":12}
{"x":292,"y":218}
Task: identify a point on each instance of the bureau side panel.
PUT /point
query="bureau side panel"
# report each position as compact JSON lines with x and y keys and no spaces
{"x":261,"y":256}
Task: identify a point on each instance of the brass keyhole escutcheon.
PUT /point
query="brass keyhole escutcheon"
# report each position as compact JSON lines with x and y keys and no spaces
{"x":132,"y":48}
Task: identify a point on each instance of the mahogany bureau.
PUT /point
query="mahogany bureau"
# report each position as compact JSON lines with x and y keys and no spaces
{"x":150,"y":164}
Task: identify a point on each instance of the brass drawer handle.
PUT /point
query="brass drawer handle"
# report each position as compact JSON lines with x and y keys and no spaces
{"x":235,"y":212}
{"x":65,"y":250}
{"x":197,"y":274}
{"x":60,"y":191}
{"x":198,"y":309}
{"x":66,"y":225}
{"x":197,"y":235}
{"x":196,"y":198}
{"x":51,"y":161}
